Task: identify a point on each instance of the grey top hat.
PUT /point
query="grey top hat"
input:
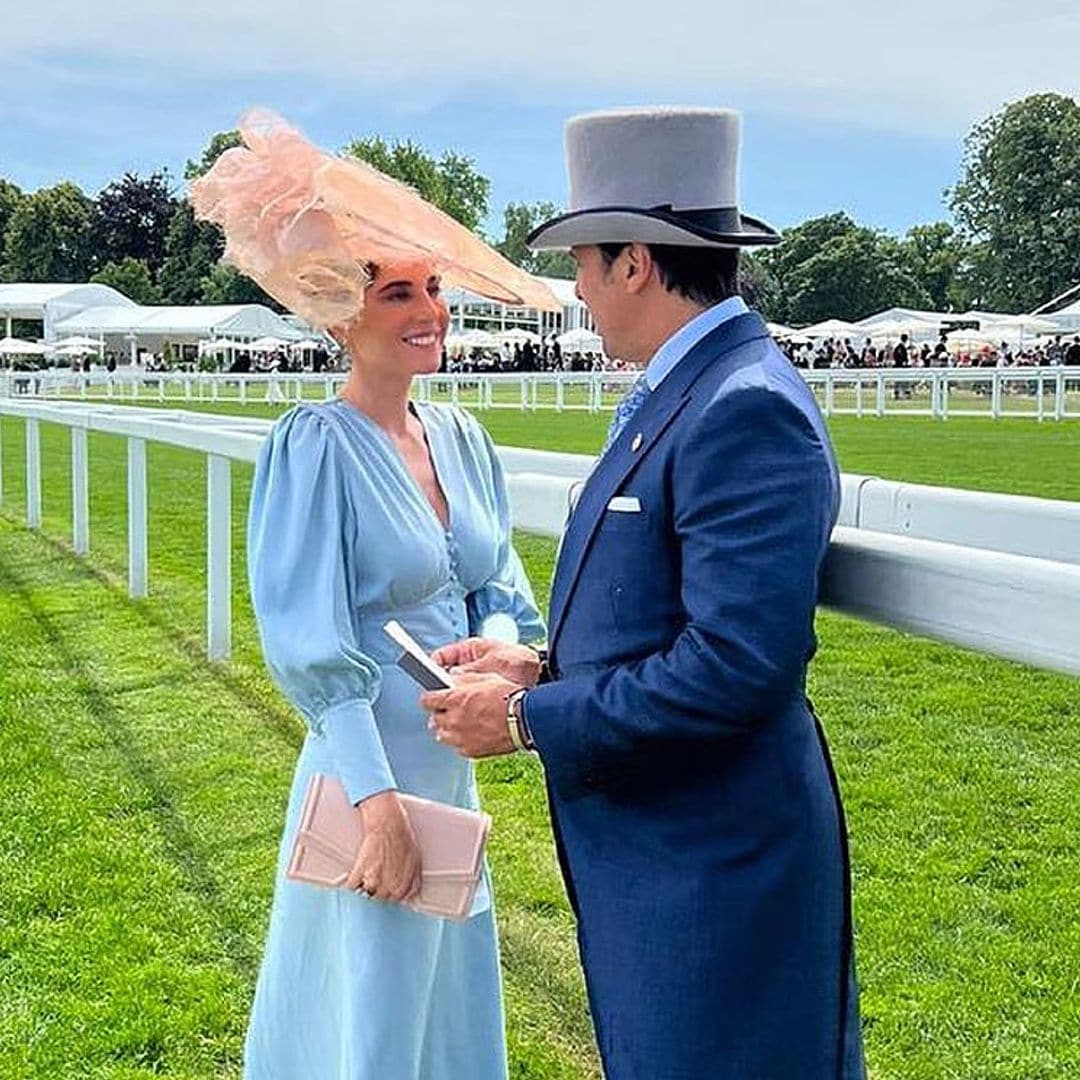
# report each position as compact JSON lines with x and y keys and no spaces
{"x":656,"y":176}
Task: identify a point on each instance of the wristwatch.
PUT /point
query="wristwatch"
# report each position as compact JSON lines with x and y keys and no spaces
{"x":515,"y":721}
{"x":545,"y":670}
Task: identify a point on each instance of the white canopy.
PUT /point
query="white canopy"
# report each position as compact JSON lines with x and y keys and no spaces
{"x":831,"y":328}
{"x":580,"y":341}
{"x":78,"y":342}
{"x":10,"y":346}
{"x":517,"y":336}
{"x":180,"y":323}
{"x":269,"y":343}
{"x":472,"y":339}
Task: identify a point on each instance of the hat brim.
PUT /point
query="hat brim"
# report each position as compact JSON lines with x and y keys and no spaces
{"x":629,"y":224}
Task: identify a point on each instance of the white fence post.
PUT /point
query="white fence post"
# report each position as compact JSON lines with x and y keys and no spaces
{"x":80,"y":492}
{"x":218,"y":556}
{"x":137,"y":547}
{"x":33,"y":474}
{"x":995,"y":394}
{"x":879,"y":394}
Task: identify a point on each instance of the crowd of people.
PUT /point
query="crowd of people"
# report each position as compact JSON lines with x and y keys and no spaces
{"x":843,"y":353}
{"x":548,"y":356}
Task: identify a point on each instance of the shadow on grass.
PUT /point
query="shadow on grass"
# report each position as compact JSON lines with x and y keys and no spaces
{"x":180,"y":846}
{"x":285,"y":725}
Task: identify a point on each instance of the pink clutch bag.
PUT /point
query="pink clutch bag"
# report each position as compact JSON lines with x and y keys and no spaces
{"x":451,"y":842}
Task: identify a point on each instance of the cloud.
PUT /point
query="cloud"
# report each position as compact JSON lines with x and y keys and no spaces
{"x":921,"y":68}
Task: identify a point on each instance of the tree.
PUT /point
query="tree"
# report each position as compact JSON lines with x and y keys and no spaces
{"x":192,"y":250}
{"x":941,"y":262}
{"x":218,"y":144}
{"x":1019,"y":197}
{"x":10,"y":197}
{"x":132,"y":277}
{"x":759,"y":286}
{"x":796,"y":246}
{"x":519,"y":219}
{"x":853,"y":275}
{"x":133,"y":219}
{"x":450,"y":183}
{"x":50,"y":236}
{"x":226,"y":285}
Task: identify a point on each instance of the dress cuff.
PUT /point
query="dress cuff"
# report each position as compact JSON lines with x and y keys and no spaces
{"x":356,"y":749}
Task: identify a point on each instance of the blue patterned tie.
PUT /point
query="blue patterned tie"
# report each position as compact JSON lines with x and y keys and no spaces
{"x":624,"y":411}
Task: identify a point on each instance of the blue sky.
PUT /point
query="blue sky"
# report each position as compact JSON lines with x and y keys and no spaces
{"x":845,"y":107}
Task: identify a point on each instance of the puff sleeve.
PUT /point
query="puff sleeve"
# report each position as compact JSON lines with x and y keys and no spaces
{"x":302,"y":593}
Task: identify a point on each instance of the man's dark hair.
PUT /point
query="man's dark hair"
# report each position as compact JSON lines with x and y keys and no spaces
{"x":702,"y":275}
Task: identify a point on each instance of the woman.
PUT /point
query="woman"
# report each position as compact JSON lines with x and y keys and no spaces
{"x":365,"y":509}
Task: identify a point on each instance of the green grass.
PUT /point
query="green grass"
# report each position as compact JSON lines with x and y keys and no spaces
{"x":144,"y":795}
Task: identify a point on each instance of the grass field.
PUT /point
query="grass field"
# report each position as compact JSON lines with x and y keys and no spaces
{"x":144,"y":793}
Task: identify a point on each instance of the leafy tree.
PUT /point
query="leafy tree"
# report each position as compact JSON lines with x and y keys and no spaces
{"x":796,"y":246}
{"x":941,"y":262}
{"x":852,"y":275}
{"x":50,"y":236}
{"x":132,"y":277}
{"x":133,"y":219}
{"x":519,"y":219}
{"x":226,"y":285}
{"x":759,"y":286}
{"x":1019,"y":197}
{"x":10,"y":197}
{"x":218,"y":144}
{"x":450,"y":183}
{"x":192,"y":250}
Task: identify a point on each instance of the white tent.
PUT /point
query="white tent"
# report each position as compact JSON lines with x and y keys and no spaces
{"x":891,"y":330}
{"x":831,"y":328}
{"x":149,"y":328}
{"x":902,"y":314}
{"x":472,"y":339}
{"x":517,"y":336}
{"x":269,"y":343}
{"x":580,"y":341}
{"x":52,"y":302}
{"x":78,"y":342}
{"x":10,"y":346}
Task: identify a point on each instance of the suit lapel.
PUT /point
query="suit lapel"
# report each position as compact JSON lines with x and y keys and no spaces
{"x":656,"y":414}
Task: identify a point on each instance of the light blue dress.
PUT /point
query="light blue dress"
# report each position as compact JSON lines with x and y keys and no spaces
{"x":340,"y":539}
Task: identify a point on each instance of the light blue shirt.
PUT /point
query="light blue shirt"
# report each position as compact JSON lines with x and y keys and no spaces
{"x":686,"y":337}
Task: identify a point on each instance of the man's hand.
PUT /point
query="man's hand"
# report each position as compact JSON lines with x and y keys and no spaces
{"x":472,"y":716}
{"x":518,"y":663}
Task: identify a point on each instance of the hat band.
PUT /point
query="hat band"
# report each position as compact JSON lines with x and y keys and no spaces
{"x":717,"y":219}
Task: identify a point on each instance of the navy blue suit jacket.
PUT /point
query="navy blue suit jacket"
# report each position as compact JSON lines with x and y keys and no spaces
{"x":696,"y":816}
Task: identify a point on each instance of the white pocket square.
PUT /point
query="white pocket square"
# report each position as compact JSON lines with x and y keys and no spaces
{"x":625,"y":504}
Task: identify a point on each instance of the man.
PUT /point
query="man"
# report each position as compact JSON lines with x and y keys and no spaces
{"x":900,"y":360}
{"x":697,"y":820}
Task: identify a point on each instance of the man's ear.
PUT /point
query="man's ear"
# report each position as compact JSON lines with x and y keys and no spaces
{"x":639,"y":267}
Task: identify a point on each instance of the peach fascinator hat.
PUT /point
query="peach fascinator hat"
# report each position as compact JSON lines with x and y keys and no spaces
{"x":303,"y":223}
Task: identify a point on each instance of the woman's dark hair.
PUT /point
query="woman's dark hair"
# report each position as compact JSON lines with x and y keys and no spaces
{"x":702,"y":275}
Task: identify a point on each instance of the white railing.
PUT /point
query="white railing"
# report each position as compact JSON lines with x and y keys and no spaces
{"x":1048,"y":393}
{"x":997,"y":573}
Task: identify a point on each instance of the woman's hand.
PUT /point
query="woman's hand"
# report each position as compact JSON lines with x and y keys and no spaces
{"x":388,"y":863}
{"x":485,"y":656}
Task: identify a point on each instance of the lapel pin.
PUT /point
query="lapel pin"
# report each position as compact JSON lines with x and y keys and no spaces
{"x":636,"y":444}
